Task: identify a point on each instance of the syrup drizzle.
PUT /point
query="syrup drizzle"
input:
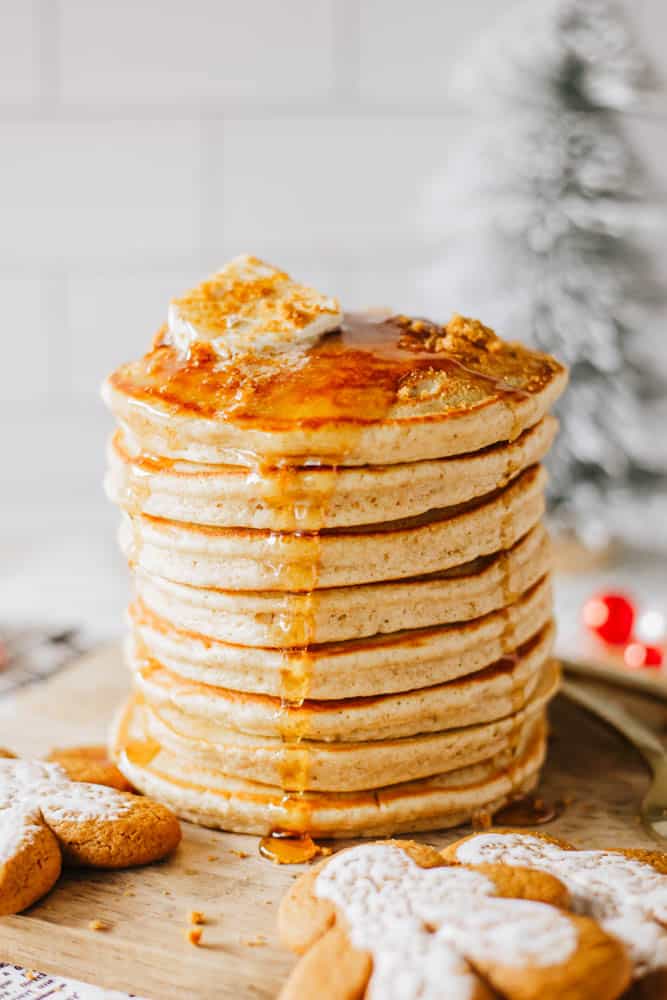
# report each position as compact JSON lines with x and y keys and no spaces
{"x":298,"y":626}
{"x":141,"y":752}
{"x":136,"y":489}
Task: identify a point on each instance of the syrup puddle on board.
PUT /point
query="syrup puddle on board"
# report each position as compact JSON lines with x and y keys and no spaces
{"x":528,"y":810}
{"x":290,"y":849}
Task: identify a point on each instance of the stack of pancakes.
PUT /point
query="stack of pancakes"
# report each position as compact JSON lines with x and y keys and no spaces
{"x":342,"y":613}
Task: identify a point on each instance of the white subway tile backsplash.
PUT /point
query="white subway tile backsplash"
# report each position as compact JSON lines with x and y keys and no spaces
{"x":406,"y":51}
{"x":24,"y":340}
{"x":60,"y":559}
{"x":19,"y":51}
{"x":112,"y":319}
{"x":650,"y":19}
{"x":100,"y":189}
{"x":170,"y":51}
{"x":358,"y":281}
{"x":349,"y":183}
{"x":391,"y":288}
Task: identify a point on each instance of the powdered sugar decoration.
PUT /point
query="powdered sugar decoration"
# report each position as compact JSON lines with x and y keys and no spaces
{"x":17,"y":827}
{"x":421,"y":924}
{"x":627,"y":897}
{"x":29,"y":789}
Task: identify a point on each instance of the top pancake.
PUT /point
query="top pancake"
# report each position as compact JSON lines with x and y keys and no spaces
{"x":375,"y":391}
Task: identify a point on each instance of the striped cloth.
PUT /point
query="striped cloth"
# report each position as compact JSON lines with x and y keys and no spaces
{"x":32,"y":654}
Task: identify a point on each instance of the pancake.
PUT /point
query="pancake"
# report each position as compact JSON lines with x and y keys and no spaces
{"x":250,"y":559}
{"x":211,"y":798}
{"x":375,"y":665}
{"x":307,"y":499}
{"x":317,"y":766}
{"x":378,"y":391}
{"x":258,"y":618}
{"x":500,"y":689}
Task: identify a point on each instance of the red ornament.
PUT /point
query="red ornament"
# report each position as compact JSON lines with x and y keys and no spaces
{"x":637,"y":655}
{"x":611,"y":617}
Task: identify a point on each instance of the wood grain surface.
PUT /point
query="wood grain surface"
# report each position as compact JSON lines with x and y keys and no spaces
{"x":146,"y":951}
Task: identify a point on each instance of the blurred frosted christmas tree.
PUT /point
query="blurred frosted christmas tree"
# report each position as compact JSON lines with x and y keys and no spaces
{"x":546,"y":219}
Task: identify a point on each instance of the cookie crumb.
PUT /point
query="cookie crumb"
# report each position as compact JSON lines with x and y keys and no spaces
{"x":239,"y":854}
{"x":256,"y":942}
{"x":194,"y":935}
{"x":212,"y":857}
{"x":197,"y":917}
{"x":191,"y":871}
{"x":99,"y":925}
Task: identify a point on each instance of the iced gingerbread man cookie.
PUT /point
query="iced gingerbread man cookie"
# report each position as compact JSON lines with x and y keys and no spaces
{"x":624,"y":891}
{"x":397,"y":921}
{"x":47,"y":819}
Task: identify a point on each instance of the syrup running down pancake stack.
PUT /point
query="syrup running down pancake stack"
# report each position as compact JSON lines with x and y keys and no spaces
{"x":342,"y":612}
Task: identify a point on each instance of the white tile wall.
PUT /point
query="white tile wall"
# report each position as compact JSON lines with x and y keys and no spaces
{"x":111,"y":317}
{"x":142,"y":142}
{"x":94,"y":190}
{"x":24,"y":364}
{"x":169,"y":51}
{"x":350,"y":182}
{"x":407,"y":58}
{"x":651,"y":20}
{"x":19,"y":52}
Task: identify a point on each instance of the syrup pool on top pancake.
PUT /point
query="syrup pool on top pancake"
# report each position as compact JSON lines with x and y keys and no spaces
{"x":358,"y":373}
{"x":317,"y":401}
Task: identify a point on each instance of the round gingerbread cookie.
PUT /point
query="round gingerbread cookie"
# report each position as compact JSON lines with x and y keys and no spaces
{"x":30,"y":859}
{"x":47,"y":819}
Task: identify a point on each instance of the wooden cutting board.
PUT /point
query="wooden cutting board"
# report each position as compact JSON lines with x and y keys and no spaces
{"x":145,"y":951}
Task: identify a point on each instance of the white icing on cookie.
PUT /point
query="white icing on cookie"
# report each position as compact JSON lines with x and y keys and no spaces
{"x":627,"y":897}
{"x":43,"y":786}
{"x":17,"y":827}
{"x":421,"y":924}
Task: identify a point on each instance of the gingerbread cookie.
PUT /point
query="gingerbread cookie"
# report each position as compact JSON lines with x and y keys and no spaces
{"x":624,"y":891}
{"x":47,"y":819}
{"x":92,"y":764}
{"x":396,"y":921}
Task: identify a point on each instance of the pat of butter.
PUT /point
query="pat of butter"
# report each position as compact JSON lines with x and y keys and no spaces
{"x":250,"y":307}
